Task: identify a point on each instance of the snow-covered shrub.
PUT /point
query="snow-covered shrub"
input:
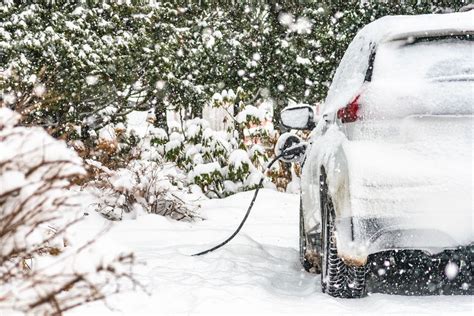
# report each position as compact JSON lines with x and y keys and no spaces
{"x":143,"y":186}
{"x":174,"y":147}
{"x":35,"y":169}
{"x":208,"y":176}
{"x":220,"y":162}
{"x":112,"y":146}
{"x":158,"y":137}
{"x":39,"y":260}
{"x":239,"y":166}
{"x":142,"y":183}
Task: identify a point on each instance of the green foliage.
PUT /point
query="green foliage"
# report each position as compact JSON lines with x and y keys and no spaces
{"x":79,"y":68}
{"x":214,"y":160}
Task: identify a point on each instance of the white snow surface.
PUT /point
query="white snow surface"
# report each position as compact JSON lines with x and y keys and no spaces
{"x":256,"y":273}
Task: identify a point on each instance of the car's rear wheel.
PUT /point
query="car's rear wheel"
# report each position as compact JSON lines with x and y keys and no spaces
{"x":338,"y":279}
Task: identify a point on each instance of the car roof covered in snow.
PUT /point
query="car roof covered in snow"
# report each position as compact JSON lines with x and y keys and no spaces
{"x":401,"y":26}
{"x":350,"y":75}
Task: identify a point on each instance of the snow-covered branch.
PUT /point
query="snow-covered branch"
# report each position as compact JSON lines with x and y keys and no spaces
{"x":39,"y":270}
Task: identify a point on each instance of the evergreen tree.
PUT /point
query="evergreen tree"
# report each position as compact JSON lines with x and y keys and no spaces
{"x":77,"y":68}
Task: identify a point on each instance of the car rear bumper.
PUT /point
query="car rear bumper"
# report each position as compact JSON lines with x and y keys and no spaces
{"x":413,"y":272}
{"x":357,"y":238}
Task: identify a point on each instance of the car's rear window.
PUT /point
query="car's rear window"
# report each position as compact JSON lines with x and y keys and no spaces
{"x":426,"y":59}
{"x":421,"y":76}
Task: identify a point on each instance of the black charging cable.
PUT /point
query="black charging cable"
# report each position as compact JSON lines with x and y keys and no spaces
{"x":289,"y":153}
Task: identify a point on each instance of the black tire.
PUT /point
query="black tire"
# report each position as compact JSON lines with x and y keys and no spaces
{"x":337,"y":278}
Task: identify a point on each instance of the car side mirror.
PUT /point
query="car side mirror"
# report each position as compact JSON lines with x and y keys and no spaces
{"x":298,"y":117}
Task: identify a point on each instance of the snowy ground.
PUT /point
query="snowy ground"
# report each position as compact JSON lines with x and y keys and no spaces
{"x":258,"y":272}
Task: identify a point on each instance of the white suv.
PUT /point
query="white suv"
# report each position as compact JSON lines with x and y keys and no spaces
{"x":389,"y":164}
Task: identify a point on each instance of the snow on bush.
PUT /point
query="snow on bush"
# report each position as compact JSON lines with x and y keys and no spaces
{"x":39,"y":258}
{"x":35,"y":169}
{"x":227,"y":161}
{"x":143,"y":186}
{"x":219,"y":162}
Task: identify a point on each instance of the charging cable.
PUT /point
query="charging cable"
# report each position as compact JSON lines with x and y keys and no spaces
{"x":289,"y":153}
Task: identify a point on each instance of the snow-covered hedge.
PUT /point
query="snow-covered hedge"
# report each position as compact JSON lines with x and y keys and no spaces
{"x":76,"y":67}
{"x":42,"y":268}
{"x":221,"y":162}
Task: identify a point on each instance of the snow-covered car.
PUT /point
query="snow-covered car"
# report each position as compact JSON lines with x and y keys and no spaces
{"x":389,"y":162}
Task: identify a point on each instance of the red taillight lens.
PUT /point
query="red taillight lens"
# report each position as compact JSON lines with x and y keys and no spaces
{"x":349,"y":113}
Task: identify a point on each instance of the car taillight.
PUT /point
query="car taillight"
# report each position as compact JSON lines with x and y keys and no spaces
{"x":349,"y":113}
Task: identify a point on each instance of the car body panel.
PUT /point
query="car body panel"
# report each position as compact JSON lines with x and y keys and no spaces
{"x":423,"y":182}
{"x":400,"y":179}
{"x":408,"y":186}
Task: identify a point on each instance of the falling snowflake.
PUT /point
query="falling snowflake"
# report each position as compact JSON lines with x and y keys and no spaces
{"x":160,"y":84}
{"x":451,"y":270}
{"x":92,"y":80}
{"x":285,"y":18}
{"x":39,"y":90}
{"x":9,"y":98}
